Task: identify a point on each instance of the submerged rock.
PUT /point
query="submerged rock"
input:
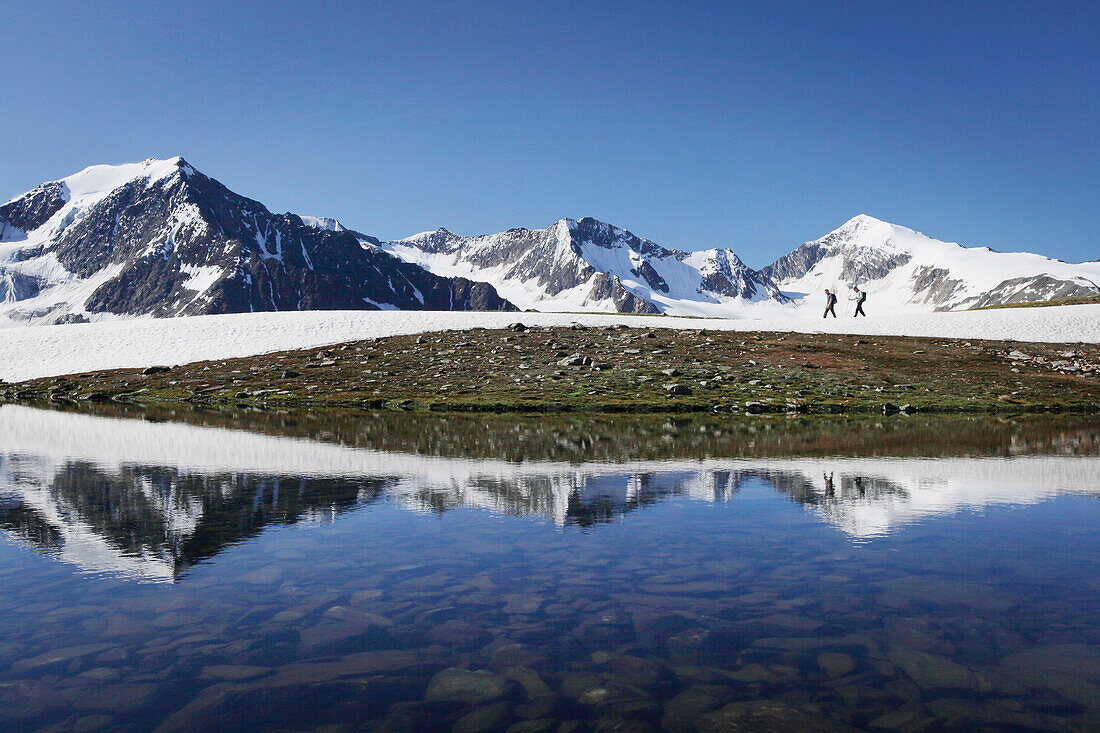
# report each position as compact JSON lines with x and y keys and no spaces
{"x":768,"y":716}
{"x":835,"y":664}
{"x":481,"y":720}
{"x":461,"y":685}
{"x":932,"y":671}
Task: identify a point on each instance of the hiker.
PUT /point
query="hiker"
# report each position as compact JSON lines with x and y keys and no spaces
{"x":860,"y":298}
{"x":830,"y":304}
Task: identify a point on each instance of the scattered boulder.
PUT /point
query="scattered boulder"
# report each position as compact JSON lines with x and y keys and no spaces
{"x":574,"y":360}
{"x":155,"y":370}
{"x":678,"y":389}
{"x":931,"y":671}
{"x":482,"y":719}
{"x":768,"y":715}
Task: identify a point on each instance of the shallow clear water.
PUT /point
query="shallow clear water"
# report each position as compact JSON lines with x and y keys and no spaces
{"x":181,"y":575}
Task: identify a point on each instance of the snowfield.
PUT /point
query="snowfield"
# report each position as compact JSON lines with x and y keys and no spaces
{"x":41,"y":351}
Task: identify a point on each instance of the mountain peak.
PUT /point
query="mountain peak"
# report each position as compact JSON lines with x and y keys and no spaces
{"x":436,"y":236}
{"x":863,"y":219}
{"x":102,"y":179}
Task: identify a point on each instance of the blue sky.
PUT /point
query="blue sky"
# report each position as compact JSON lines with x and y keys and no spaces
{"x":755,"y":126}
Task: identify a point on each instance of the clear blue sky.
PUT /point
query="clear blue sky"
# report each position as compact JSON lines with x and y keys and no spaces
{"x":750,"y":125}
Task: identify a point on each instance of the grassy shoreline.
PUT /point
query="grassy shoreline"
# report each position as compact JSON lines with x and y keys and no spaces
{"x":618,"y":369}
{"x":583,"y":437}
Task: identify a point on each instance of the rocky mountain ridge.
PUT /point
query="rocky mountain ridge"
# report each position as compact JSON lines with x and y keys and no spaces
{"x":587,"y":264}
{"x":161,"y":239}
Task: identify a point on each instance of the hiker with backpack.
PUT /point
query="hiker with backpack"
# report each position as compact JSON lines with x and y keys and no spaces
{"x":860,"y":298}
{"x":830,"y":304}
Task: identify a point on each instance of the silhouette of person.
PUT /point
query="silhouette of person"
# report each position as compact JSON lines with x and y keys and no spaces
{"x":830,"y":490}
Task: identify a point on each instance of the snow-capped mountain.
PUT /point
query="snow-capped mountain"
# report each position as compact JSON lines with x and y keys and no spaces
{"x":159,"y":238}
{"x":904,"y":271}
{"x":590,"y":265}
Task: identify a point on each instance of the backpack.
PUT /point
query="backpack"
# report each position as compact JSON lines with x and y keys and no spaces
{"x":862,"y":296}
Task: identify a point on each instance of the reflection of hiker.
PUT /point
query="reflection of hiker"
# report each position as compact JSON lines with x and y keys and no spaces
{"x":830,"y":304}
{"x":859,"y":486}
{"x":830,"y":490}
{"x":860,"y":298}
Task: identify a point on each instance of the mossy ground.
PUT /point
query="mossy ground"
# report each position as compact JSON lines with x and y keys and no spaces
{"x":626,"y":370}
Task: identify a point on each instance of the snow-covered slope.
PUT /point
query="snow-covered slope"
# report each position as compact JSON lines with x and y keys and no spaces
{"x":35,"y":351}
{"x":904,"y":271}
{"x":590,"y":265}
{"x":159,"y":238}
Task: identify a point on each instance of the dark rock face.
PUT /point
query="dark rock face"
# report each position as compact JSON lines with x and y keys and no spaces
{"x":935,"y":285}
{"x":1029,"y":289}
{"x":859,"y":266}
{"x":651,"y":276}
{"x":17,"y":286}
{"x":606,"y":287}
{"x":187,"y":245}
{"x":32,"y":210}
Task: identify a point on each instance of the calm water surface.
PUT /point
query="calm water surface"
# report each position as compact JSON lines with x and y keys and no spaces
{"x":178,"y":572}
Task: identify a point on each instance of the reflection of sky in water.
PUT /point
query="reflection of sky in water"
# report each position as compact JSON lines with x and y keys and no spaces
{"x":316,"y":579}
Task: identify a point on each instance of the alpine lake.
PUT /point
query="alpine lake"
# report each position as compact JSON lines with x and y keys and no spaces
{"x":169,"y":569}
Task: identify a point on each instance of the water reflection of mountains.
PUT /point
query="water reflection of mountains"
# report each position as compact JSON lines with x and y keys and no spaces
{"x":151,"y":499}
